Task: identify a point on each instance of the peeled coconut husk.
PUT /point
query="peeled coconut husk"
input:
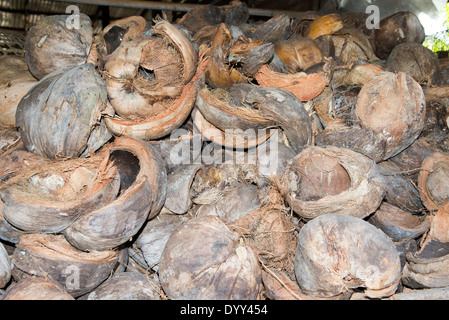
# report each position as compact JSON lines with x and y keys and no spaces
{"x":9,"y":140}
{"x":358,"y":21}
{"x":50,"y":45}
{"x":250,"y":55}
{"x":360,"y":74}
{"x":428,"y":267}
{"x":154,"y":236}
{"x":304,"y":87}
{"x":401,"y":189}
{"x":51,"y":256}
{"x":220,"y":108}
{"x":141,"y":74}
{"x":436,"y":130}
{"x":332,"y":180}
{"x":433,"y":180}
{"x":16,"y":82}
{"x":398,"y":224}
{"x":417,"y":61}
{"x":272,"y":30}
{"x":76,"y":96}
{"x":281,"y":107}
{"x":394,"y":107}
{"x":192,"y":268}
{"x":338,"y":253}
{"x":126,"y":286}
{"x":352,"y":47}
{"x":36,"y":288}
{"x":5,"y":267}
{"x":117,"y":222}
{"x":116,"y":33}
{"x":233,"y":138}
{"x":302,"y":22}
{"x":395,"y":29}
{"x":299,"y":53}
{"x":51,"y":195}
{"x":324,"y":25}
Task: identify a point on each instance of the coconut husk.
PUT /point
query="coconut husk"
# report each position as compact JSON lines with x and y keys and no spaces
{"x":36,"y":288}
{"x":16,"y":82}
{"x":348,"y":183}
{"x":301,"y":23}
{"x":432,"y":180}
{"x":77,"y":96}
{"x":341,"y":253}
{"x":50,"y":45}
{"x":299,"y":53}
{"x":417,"y":61}
{"x":117,"y":222}
{"x":233,"y":272}
{"x":352,"y":47}
{"x":5,"y":267}
{"x":357,"y":20}
{"x":324,"y":25}
{"x":51,"y":256}
{"x":283,"y":108}
{"x":304,"y":87}
{"x":395,"y":29}
{"x":272,"y":30}
{"x":49,"y":195}
{"x":250,"y":55}
{"x":394,"y":107}
{"x":436,"y":129}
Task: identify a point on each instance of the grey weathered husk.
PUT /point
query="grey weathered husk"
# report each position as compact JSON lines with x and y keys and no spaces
{"x":36,"y":288}
{"x":45,"y":255}
{"x":398,"y":224}
{"x":361,"y":190}
{"x":154,"y":236}
{"x":77,"y":96}
{"x":272,"y":30}
{"x":203,"y":259}
{"x":53,"y":43}
{"x":429,"y":266}
{"x":126,"y":286}
{"x":417,"y":61}
{"x":51,"y":195}
{"x":339,"y":253}
{"x":5,"y":267}
{"x":116,"y":223}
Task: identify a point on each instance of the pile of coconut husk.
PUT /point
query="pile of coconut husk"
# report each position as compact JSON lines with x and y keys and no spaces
{"x":216,"y":157}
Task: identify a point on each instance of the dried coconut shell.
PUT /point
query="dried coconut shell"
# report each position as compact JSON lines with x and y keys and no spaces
{"x":53,"y":195}
{"x":51,"y":44}
{"x":304,"y":87}
{"x":299,"y":53}
{"x":77,"y":96}
{"x":117,"y":222}
{"x":432,"y":180}
{"x":347,"y":182}
{"x":222,"y":267}
{"x":393,"y":106}
{"x":417,"y":61}
{"x":337,"y":253}
{"x":36,"y":288}
{"x":395,"y":29}
{"x":45,"y":255}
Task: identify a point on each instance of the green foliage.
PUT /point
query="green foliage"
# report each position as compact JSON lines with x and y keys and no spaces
{"x":439,"y":41}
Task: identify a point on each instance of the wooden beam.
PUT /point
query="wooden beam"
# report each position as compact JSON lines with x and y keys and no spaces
{"x":170,"y":6}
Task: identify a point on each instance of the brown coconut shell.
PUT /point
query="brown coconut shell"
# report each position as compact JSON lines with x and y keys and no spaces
{"x":324,"y":25}
{"x":299,"y":54}
{"x":395,"y":29}
{"x":428,"y":267}
{"x":393,"y":106}
{"x":126,"y":286}
{"x":117,"y":222}
{"x":188,"y":270}
{"x":50,"y":45}
{"x":144,"y":72}
{"x":304,"y":87}
{"x":417,"y":61}
{"x":339,"y":253}
{"x":51,"y":256}
{"x":49,"y":196}
{"x":15,"y":84}
{"x":36,"y":288}
{"x":332,"y":180}
{"x":272,"y":30}
{"x":432,"y":180}
{"x":301,"y":23}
